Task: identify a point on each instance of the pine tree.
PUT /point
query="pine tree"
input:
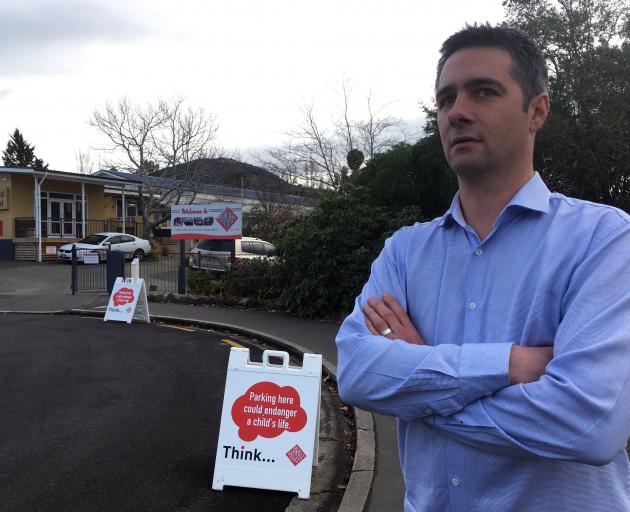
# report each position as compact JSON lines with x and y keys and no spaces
{"x":20,"y":153}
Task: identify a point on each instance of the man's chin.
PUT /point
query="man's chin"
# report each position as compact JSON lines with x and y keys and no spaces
{"x":468,"y":168}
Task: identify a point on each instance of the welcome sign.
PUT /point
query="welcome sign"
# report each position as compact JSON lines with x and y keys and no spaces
{"x":269,"y":424}
{"x":216,"y":220}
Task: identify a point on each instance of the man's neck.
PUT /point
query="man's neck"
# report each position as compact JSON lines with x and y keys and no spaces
{"x":481,"y":201}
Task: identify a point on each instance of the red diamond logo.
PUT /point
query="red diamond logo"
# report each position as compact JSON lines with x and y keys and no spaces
{"x":296,"y":455}
{"x":227,"y":219}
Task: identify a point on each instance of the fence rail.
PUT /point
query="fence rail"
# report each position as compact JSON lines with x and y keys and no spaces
{"x":215,"y":263}
{"x":73,"y":228}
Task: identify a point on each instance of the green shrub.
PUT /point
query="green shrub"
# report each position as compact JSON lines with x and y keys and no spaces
{"x":410,"y":175}
{"x":326,"y":256}
{"x":261,"y":279}
{"x":199,"y":282}
{"x":256,"y":278}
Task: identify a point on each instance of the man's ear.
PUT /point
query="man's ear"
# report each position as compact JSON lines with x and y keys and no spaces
{"x":538,"y":111}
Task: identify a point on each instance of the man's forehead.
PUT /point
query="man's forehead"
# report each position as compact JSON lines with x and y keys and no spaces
{"x":470,"y":63}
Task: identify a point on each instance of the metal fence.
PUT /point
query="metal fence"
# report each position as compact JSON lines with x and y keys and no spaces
{"x":215,"y":263}
{"x":73,"y":228}
{"x":160,"y":273}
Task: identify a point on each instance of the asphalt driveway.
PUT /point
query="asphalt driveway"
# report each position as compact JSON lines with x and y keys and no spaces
{"x":105,"y":416}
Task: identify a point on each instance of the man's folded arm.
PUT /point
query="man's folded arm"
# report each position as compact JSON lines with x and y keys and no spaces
{"x":579,"y":410}
{"x":400,"y":379}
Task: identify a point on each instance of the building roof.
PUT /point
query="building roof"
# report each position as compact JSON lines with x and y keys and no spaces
{"x":69,"y":176}
{"x":207,"y":188}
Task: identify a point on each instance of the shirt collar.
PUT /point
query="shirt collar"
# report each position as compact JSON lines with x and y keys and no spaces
{"x":534,"y":195}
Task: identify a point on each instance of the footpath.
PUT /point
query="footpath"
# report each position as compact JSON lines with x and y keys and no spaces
{"x":376,"y":484}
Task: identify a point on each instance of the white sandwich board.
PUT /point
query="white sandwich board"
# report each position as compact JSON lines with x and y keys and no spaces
{"x":269,"y":435}
{"x":128,"y":301}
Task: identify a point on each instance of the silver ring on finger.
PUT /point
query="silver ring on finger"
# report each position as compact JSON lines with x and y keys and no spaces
{"x":386,"y":332}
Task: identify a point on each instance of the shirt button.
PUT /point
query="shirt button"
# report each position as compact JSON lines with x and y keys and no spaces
{"x":479,"y":252}
{"x":428,"y":411}
{"x":455,"y":482}
{"x":472,"y":306}
{"x":488,"y":393}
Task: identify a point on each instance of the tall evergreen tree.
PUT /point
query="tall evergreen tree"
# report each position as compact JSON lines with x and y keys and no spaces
{"x":20,"y":153}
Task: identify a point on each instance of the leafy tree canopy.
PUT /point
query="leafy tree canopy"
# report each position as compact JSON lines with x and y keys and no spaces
{"x":583,"y":148}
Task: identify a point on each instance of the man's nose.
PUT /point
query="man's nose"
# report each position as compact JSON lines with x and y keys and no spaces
{"x":461,"y":111}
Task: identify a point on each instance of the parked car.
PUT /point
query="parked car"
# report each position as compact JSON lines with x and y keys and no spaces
{"x":214,"y":255}
{"x":99,"y":242}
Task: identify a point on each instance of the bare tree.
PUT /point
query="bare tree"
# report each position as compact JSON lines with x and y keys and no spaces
{"x":271,"y":211}
{"x":164,"y":140}
{"x":187,"y":136}
{"x":84,"y":162}
{"x":315,"y":153}
{"x":129,"y":130}
{"x":377,"y":133}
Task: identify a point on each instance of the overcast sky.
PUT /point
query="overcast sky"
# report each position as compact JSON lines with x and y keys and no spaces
{"x":252,"y":63}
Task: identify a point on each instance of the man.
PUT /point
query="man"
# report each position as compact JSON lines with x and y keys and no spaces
{"x":499,"y":334}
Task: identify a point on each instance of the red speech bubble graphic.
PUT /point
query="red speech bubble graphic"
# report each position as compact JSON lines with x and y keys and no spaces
{"x":267,"y":410}
{"x":123,"y":296}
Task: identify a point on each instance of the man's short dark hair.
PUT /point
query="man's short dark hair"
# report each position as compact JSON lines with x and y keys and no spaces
{"x":529,"y":68}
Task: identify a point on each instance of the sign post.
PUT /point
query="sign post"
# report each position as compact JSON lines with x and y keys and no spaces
{"x":269,"y":431}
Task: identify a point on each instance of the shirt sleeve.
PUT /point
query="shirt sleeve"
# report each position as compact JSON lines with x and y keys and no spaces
{"x":579,"y":410}
{"x":400,"y":379}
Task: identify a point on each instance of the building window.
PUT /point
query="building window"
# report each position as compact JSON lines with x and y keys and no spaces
{"x":132,"y":209}
{"x":62,"y":214}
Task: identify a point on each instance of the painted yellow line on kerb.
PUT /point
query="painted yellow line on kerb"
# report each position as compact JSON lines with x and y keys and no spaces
{"x":232,"y":343}
{"x":187,"y":329}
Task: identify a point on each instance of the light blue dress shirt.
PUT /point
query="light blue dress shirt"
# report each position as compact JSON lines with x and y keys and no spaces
{"x":553,"y":271}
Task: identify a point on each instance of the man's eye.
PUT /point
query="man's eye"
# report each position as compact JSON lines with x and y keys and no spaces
{"x":486,"y":93}
{"x":446,"y":101}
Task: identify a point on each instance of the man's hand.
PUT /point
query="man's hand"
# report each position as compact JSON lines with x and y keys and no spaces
{"x":387,"y":313}
{"x":528,"y":364}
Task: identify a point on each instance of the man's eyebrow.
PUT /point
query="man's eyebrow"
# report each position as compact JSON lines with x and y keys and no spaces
{"x":471,"y":84}
{"x":444,"y":91}
{"x":484,"y":81}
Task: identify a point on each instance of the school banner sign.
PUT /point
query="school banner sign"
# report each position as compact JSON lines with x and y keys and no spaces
{"x":215,"y":220}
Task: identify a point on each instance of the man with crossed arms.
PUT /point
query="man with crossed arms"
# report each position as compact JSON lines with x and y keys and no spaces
{"x":499,"y":333}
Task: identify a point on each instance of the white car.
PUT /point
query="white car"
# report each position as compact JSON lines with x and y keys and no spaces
{"x":214,"y":255}
{"x":99,"y":242}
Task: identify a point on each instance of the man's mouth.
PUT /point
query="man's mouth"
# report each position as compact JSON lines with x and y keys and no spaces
{"x":463,"y":139}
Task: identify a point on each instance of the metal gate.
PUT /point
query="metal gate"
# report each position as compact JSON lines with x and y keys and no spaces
{"x":160,"y":273}
{"x":86,"y":276}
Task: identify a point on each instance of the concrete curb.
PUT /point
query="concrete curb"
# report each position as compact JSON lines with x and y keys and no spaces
{"x":360,"y":482}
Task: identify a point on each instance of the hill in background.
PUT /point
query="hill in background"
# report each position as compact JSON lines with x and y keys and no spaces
{"x":229,"y":173}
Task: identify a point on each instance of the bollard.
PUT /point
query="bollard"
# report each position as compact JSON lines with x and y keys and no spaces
{"x":73,"y":281}
{"x":115,"y":268}
{"x":135,"y":269}
{"x":181,"y":275}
